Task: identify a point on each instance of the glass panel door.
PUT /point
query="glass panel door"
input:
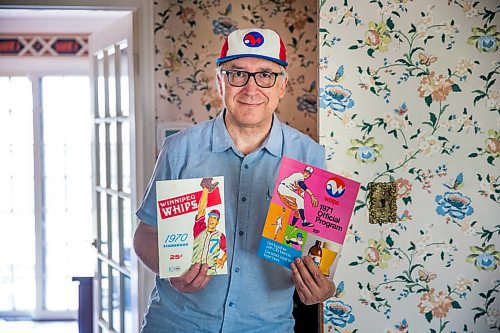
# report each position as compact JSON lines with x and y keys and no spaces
{"x":112,"y":193}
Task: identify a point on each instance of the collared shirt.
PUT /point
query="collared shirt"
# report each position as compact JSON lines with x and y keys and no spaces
{"x":255,"y":295}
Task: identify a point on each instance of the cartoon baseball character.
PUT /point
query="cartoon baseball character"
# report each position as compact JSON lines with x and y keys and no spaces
{"x":291,"y":192}
{"x":209,"y":243}
{"x":295,"y":241}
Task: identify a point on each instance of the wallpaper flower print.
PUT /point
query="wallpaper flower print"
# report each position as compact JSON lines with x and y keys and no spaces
{"x":417,"y":104}
{"x":336,"y":98}
{"x":188,"y":38}
{"x":454,"y":204}
{"x":485,"y":39}
{"x":484,"y":258}
{"x":338,"y":313}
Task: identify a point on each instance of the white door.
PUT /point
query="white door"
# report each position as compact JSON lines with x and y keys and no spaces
{"x":113,"y":113}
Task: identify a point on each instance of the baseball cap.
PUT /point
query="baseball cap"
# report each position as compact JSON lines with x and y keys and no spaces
{"x":299,"y":234}
{"x":253,"y":42}
{"x":214,"y":212}
{"x":309,"y":169}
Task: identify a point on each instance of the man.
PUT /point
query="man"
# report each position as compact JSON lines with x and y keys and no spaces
{"x":208,"y":241}
{"x":291,"y":191}
{"x":244,"y":143}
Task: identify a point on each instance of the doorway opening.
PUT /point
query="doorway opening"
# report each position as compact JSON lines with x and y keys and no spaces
{"x":46,"y":180}
{"x":46,"y":198}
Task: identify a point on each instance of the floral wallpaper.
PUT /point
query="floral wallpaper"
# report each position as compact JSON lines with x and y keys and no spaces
{"x":188,"y":38}
{"x":409,"y":94}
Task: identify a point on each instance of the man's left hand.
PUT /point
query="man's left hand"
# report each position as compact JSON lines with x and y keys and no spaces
{"x":311,"y":285}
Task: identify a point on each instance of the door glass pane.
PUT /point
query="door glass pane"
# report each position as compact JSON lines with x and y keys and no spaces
{"x":103,"y":213}
{"x":124,"y":88}
{"x":17,"y":272}
{"x":127,"y":305}
{"x":112,"y":82}
{"x":127,"y":232}
{"x":116,"y":301}
{"x":67,"y":183}
{"x":125,"y":156}
{"x":115,"y":234}
{"x":101,"y":101}
{"x":102,"y":155}
{"x":21,"y":265}
{"x":104,"y":291}
{"x":113,"y":156}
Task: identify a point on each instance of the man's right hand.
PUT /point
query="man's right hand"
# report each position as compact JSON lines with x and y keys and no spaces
{"x":194,"y":280}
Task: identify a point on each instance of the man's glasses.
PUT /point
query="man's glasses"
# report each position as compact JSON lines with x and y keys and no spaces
{"x":239,"y":78}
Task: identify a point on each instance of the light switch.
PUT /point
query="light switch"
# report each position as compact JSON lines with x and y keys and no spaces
{"x":382,"y":206}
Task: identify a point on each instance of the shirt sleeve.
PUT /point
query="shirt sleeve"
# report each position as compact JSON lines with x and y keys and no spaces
{"x":320,"y":158}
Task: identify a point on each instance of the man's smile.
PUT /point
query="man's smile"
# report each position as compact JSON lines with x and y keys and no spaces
{"x":250,"y":103}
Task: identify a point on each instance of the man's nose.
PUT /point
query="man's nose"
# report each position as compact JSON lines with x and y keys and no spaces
{"x":252,"y":83}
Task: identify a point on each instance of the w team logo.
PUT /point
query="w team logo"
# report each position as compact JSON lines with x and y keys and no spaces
{"x":335,"y":187}
{"x":253,"y":39}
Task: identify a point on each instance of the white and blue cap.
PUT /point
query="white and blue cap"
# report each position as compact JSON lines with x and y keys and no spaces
{"x":253,"y":42}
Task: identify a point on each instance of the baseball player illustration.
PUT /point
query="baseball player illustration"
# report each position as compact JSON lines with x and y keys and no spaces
{"x":279,"y":223}
{"x":295,"y":241}
{"x":209,"y":243}
{"x":291,"y":192}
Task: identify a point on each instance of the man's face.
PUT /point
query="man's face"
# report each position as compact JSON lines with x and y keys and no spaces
{"x":213,"y":221}
{"x":251,"y":106}
{"x":306,"y":174}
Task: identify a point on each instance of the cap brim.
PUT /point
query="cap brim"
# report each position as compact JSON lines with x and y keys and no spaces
{"x":250,"y":55}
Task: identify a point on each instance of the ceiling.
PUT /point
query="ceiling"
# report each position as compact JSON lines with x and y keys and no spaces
{"x":56,"y":21}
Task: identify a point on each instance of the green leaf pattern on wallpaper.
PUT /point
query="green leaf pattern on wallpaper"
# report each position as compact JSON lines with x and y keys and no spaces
{"x":408,"y":93}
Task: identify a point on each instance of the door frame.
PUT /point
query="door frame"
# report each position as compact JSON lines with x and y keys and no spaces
{"x":144,"y":153}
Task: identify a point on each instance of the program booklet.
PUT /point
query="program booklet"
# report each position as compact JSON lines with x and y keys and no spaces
{"x":309,"y":214}
{"x":191,"y":225}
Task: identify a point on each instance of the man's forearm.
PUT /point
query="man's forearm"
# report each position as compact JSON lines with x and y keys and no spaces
{"x":146,"y":246}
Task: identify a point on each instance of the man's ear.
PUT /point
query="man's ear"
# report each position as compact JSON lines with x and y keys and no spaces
{"x":283,"y":87}
{"x":219,"y":84}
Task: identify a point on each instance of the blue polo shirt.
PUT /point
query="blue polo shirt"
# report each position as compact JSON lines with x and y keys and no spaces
{"x":255,"y":295}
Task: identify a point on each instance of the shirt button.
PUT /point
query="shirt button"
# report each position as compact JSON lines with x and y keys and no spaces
{"x":246,"y":166}
{"x":231,"y":303}
{"x":236,"y":269}
{"x":241,"y":233}
{"x":243,"y":199}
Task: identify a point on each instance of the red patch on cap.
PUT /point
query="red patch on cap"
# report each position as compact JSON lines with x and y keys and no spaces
{"x":282,"y":51}
{"x":225,"y":47}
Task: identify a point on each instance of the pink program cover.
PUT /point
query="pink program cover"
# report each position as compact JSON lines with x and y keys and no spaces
{"x":309,"y":214}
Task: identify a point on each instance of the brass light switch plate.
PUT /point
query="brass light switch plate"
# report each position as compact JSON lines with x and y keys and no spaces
{"x":382,"y":207}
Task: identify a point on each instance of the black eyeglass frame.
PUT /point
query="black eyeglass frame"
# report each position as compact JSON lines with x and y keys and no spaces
{"x":250,"y":74}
